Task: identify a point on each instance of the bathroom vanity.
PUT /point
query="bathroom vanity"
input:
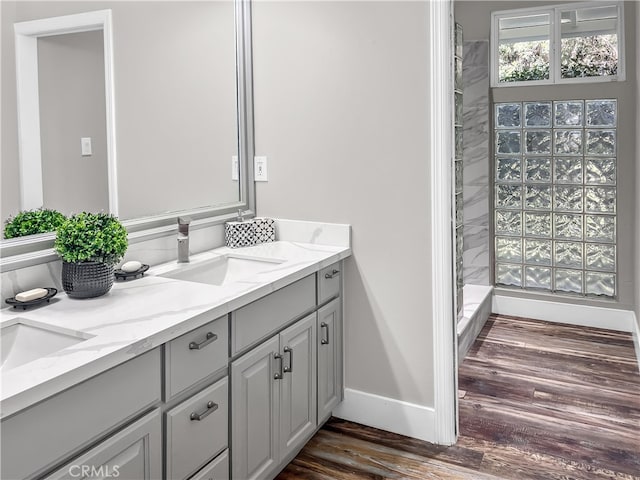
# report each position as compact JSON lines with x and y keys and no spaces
{"x":174,"y":378}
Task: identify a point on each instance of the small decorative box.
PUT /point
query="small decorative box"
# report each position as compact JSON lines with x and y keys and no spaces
{"x":239,"y":234}
{"x":265,"y":229}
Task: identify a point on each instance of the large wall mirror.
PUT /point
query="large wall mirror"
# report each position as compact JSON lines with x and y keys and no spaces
{"x":135,"y":108}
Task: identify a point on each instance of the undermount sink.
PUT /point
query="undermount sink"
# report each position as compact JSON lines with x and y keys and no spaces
{"x":221,"y":270}
{"x":23,"y":342}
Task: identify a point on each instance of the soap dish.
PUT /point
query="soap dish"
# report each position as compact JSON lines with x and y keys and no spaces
{"x":122,"y":275}
{"x":51,"y":292}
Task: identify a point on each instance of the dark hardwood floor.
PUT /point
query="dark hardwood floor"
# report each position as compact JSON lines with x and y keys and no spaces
{"x":537,"y":401}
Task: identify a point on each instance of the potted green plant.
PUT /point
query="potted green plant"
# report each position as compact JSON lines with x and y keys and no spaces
{"x":90,"y":244}
{"x":30,"y":222}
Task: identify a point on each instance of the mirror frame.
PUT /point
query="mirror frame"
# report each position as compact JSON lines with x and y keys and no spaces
{"x":32,"y":250}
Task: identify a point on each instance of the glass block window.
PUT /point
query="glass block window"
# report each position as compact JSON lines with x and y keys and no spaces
{"x":555,"y":196}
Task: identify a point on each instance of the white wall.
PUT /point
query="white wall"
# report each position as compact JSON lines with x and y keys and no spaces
{"x":342,"y":112}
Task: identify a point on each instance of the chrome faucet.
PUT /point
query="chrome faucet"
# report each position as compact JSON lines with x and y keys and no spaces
{"x":183,"y":239}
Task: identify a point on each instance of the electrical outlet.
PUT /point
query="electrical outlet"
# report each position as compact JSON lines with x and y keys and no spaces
{"x":260,"y":169}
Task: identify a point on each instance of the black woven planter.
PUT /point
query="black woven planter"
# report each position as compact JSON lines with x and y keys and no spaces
{"x":86,"y":279}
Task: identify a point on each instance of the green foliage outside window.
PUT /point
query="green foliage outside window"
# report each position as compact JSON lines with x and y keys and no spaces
{"x":589,"y":56}
{"x":579,"y":56}
{"x":522,"y":61}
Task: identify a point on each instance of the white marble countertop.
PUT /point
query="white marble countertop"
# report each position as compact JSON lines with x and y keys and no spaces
{"x":139,"y":315}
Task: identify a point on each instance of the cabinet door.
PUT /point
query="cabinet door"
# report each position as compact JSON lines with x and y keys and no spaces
{"x":255,"y":401}
{"x":329,"y":358}
{"x":298,"y":386}
{"x":134,"y":452}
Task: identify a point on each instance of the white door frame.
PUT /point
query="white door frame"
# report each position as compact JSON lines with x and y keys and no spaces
{"x":26,"y":45}
{"x":442,"y":228}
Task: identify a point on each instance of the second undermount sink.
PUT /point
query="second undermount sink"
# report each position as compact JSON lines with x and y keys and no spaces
{"x":221,"y":270}
{"x":23,"y":342}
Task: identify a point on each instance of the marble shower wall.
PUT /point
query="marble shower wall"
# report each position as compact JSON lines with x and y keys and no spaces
{"x":476,"y":172}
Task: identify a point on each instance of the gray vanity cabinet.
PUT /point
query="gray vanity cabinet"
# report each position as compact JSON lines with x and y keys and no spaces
{"x":255,"y":400}
{"x":274,"y":400}
{"x":196,"y":430}
{"x":329,"y":283}
{"x":298,"y":384}
{"x":329,"y":358}
{"x":218,"y":469}
{"x":195,"y":356}
{"x":48,"y":433}
{"x":274,"y":366}
{"x":135,"y":452}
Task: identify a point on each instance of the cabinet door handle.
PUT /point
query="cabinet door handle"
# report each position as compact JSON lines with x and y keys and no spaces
{"x":211,"y":407}
{"x":325,"y":339}
{"x":278,"y":374}
{"x":289,"y":350}
{"x":211,"y":337}
{"x":332,"y":274}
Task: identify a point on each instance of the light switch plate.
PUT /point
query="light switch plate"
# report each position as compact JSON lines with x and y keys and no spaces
{"x":260,"y":169}
{"x":235,"y":171}
{"x":85,"y":145}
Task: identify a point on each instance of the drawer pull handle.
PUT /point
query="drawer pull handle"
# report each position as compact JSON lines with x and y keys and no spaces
{"x":211,"y":407}
{"x":211,"y":337}
{"x":332,"y":274}
{"x":289,"y":350}
{"x":278,"y":374}
{"x":325,"y":339}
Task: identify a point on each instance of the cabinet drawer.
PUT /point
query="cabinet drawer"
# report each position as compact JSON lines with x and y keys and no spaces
{"x":267,"y":315}
{"x":133,"y":452}
{"x":216,"y":470}
{"x":58,"y":427}
{"x":329,"y":282}
{"x":195,"y":355}
{"x":197,"y":430}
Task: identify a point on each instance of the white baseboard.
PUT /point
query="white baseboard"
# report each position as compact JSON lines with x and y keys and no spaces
{"x":388,"y":414}
{"x":583,"y":315}
{"x":636,"y":338}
